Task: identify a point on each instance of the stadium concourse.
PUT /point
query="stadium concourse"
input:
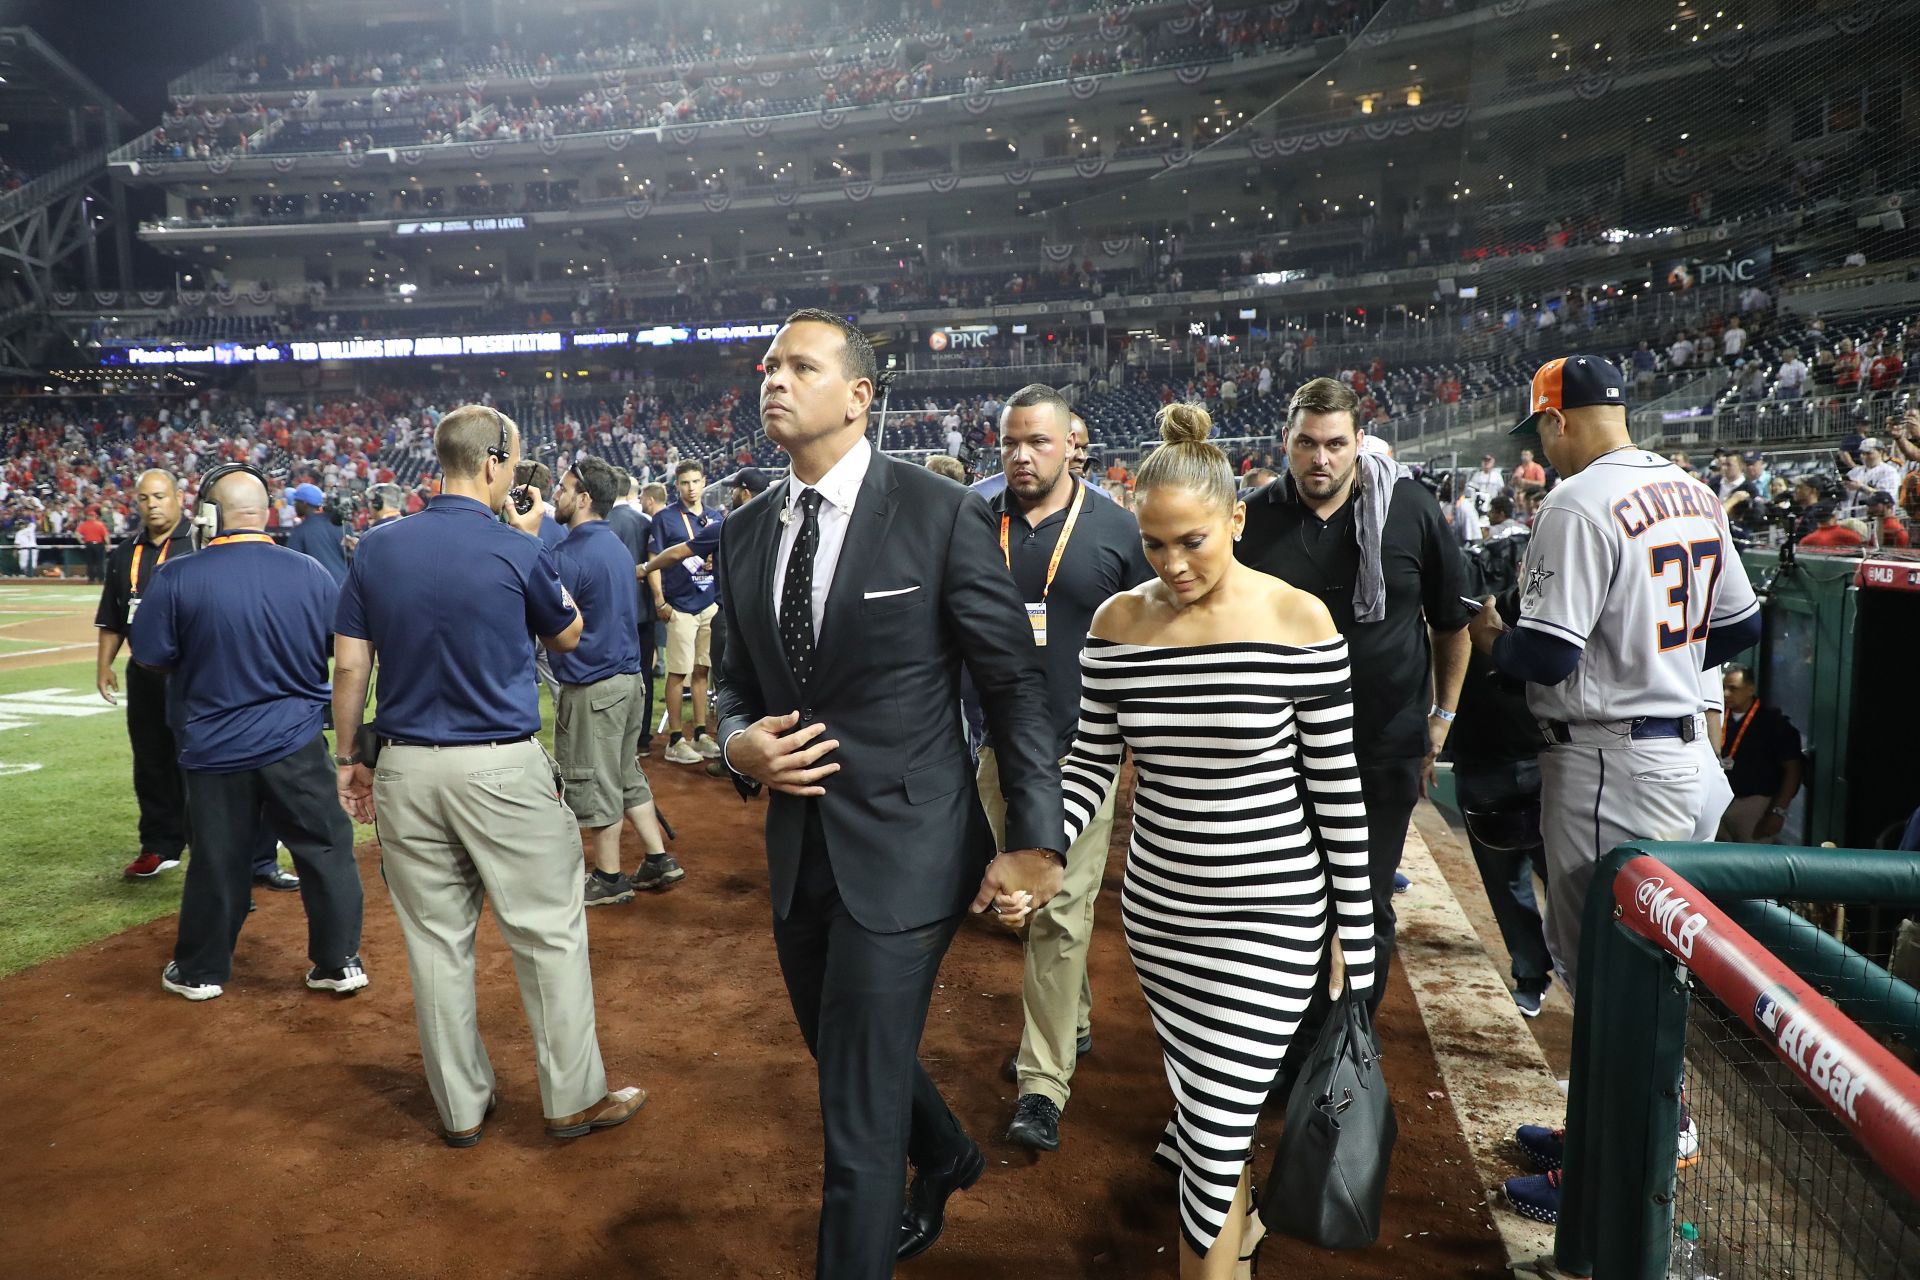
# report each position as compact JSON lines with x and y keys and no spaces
{"x":368,"y":258}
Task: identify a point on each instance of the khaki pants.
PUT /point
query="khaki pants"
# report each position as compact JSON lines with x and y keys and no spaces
{"x":1742,"y":816}
{"x":458,"y":825}
{"x":1055,"y":994}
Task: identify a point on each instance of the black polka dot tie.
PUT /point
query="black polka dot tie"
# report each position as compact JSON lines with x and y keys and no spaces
{"x":796,"y":596}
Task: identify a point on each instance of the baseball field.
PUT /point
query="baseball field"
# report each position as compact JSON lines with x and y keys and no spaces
{"x":280,"y":1131}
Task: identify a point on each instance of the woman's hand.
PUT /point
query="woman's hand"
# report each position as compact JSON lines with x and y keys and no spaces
{"x":1337,"y":966}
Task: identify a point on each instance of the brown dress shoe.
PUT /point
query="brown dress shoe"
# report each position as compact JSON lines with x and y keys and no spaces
{"x":616,"y":1108}
{"x":469,"y":1137}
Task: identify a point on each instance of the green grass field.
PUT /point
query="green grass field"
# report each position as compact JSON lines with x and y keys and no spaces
{"x":70,"y":824}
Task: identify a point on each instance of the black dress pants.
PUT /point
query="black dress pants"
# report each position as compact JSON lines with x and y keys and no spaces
{"x":1508,"y":873}
{"x":296,"y":795}
{"x":861,"y":1000}
{"x":647,"y":624}
{"x":1390,"y":788}
{"x":156,"y":765}
{"x":157,"y":785}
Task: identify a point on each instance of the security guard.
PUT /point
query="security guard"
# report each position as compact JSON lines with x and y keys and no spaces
{"x":156,"y":757}
{"x":243,"y":628}
{"x":449,"y":601}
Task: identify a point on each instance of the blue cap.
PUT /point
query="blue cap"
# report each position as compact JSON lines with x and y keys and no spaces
{"x":310,"y":494}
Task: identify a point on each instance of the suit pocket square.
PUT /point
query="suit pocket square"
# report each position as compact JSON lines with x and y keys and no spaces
{"x":882,"y":595}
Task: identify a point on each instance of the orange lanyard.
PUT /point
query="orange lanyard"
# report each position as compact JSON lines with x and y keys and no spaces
{"x":238,"y":537}
{"x":133,"y":579}
{"x":1746,"y":722}
{"x":1059,"y":548}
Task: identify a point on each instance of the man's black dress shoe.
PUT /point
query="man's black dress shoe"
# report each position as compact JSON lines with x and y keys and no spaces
{"x":1036,"y":1123}
{"x":926,"y":1214}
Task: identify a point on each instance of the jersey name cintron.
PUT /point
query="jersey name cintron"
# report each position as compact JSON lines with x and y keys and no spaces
{"x":1661,"y":500}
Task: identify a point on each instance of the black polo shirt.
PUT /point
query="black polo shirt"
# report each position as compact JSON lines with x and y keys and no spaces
{"x":1762,"y":753}
{"x":1102,"y":559}
{"x":1426,"y":574}
{"x":117,"y":595}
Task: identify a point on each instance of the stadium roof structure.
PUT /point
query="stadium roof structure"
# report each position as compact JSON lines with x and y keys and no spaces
{"x":40,"y":89}
{"x":48,"y":222}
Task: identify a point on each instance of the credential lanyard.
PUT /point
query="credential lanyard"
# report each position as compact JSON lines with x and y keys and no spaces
{"x":1746,"y":722}
{"x":1059,"y":548}
{"x":133,"y":578}
{"x":224,"y":539}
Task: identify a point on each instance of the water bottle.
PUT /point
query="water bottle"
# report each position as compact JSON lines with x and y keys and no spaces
{"x":1683,"y":1261}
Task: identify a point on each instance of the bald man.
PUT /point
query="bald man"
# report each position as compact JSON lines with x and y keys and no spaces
{"x":241,"y":628}
{"x":162,"y":536}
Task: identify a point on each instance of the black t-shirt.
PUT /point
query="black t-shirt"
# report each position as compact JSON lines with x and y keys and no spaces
{"x":1762,"y":752}
{"x":1425,"y":573}
{"x":117,"y":595}
{"x":1102,"y":559}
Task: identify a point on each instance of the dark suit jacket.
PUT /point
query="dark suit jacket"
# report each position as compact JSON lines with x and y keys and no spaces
{"x":905,"y":833}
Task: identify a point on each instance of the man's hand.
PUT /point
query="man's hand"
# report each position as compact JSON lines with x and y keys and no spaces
{"x":1769,"y":826}
{"x":355,"y":787}
{"x":773,"y":751}
{"x":1485,"y":627}
{"x":663,"y":610}
{"x":1436,"y":739}
{"x":108,"y":684}
{"x":528,"y":523}
{"x":1017,"y":883}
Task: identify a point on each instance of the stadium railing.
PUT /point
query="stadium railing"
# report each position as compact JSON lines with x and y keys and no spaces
{"x":1791,"y":1053}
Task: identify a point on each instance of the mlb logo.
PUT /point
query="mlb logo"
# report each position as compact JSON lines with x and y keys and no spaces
{"x":1613,"y":393}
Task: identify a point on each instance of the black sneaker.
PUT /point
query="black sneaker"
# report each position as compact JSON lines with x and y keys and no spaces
{"x":171,"y":979}
{"x":345,"y":980}
{"x":1036,"y":1123}
{"x":658,"y":873}
{"x":608,"y":893}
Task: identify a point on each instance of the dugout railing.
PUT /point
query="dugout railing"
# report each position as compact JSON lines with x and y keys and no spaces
{"x":1792,"y":1053}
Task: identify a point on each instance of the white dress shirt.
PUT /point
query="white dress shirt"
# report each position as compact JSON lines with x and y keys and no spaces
{"x":839,"y":490}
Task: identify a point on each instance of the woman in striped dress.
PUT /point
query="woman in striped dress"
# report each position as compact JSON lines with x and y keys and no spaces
{"x":1249,"y":835}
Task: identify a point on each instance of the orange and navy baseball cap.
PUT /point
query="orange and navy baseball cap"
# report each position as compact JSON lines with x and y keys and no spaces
{"x":1572,"y":382}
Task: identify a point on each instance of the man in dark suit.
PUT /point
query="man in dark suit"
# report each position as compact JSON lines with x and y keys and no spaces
{"x":853,"y":592}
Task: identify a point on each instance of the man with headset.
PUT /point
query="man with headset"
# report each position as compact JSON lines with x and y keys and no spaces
{"x":242,"y":628}
{"x":156,"y":757}
{"x":450,"y":601}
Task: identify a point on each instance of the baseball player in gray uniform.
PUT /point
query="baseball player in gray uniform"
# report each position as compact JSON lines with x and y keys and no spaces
{"x":1631,"y":586}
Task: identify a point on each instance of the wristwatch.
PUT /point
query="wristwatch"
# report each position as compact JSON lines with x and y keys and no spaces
{"x":344,"y":761}
{"x":1777,"y":811}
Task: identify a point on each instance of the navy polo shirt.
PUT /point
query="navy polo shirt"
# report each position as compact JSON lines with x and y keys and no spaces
{"x":451,"y":600}
{"x":321,"y":539}
{"x":552,"y":533}
{"x":594,"y":566}
{"x":686,"y":591}
{"x":243,"y":625}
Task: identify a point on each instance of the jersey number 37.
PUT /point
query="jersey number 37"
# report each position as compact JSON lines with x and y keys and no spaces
{"x":1674,"y":564}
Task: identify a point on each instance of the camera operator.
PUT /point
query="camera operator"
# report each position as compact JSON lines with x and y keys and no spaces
{"x":449,"y":601}
{"x":242,"y":628}
{"x":317,"y":536}
{"x":1495,"y":745}
{"x":534,"y":480}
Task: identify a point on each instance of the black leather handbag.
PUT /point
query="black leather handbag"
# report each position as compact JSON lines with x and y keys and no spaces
{"x":1330,"y":1165}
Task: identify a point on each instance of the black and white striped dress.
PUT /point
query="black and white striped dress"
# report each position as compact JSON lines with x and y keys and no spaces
{"x":1247,"y":821}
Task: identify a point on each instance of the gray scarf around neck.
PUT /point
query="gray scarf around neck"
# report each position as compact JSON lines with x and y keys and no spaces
{"x":1372,"y":496}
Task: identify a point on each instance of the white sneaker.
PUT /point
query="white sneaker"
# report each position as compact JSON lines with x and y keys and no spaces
{"x":1687,"y":1153}
{"x":171,"y":979}
{"x":682,"y":752}
{"x":707,"y":747}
